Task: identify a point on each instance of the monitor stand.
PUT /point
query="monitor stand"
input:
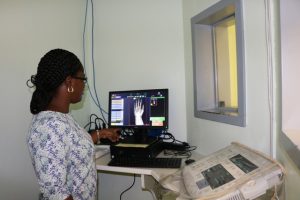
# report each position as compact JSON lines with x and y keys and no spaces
{"x":138,"y":145}
{"x":140,"y":136}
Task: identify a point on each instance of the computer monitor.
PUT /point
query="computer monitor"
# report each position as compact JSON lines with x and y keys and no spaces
{"x":139,"y":110}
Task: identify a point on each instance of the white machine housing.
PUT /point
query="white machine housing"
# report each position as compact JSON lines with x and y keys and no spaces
{"x":235,"y":172}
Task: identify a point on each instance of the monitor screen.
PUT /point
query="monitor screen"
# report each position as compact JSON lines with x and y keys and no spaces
{"x":139,"y":109}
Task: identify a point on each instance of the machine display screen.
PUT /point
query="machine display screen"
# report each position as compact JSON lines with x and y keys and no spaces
{"x":217,"y":176}
{"x":243,"y":163}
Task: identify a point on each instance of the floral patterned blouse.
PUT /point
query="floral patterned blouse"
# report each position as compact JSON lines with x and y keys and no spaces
{"x":63,"y":157}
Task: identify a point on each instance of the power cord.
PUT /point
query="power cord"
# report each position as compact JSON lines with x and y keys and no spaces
{"x":95,"y":123}
{"x":175,"y":147}
{"x":128,"y":187}
{"x":95,"y":99}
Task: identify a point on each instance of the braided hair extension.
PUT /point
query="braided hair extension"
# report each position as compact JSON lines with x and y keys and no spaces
{"x":53,"y":69}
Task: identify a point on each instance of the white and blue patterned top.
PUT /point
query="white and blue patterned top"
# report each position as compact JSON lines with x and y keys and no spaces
{"x":63,"y":157}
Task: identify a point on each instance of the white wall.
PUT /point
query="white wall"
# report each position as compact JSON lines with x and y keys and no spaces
{"x":210,"y":136}
{"x":28,"y":29}
{"x":290,"y":31}
{"x":139,"y":45}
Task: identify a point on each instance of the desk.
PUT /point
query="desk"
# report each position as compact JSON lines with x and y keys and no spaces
{"x":150,"y":177}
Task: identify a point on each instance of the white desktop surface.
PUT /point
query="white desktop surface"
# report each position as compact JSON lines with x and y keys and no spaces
{"x":149,"y":176}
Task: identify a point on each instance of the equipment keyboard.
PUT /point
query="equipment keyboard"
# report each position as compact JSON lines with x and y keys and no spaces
{"x":146,"y":162}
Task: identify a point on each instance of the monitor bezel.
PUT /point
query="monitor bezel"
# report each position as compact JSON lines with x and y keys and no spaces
{"x":164,"y":90}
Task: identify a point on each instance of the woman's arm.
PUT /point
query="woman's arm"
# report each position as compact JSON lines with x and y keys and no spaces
{"x":49,"y":151}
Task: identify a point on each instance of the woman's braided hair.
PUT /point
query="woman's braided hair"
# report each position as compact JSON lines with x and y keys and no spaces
{"x":53,"y":69}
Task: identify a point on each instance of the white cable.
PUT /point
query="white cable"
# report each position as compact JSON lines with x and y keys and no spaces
{"x":269,"y":72}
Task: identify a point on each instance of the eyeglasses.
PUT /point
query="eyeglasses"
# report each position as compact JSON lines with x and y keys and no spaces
{"x":80,"y":78}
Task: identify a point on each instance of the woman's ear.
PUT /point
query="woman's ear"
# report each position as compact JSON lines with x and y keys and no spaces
{"x":68,"y":81}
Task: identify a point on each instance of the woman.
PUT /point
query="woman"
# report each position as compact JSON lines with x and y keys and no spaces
{"x":62,"y":152}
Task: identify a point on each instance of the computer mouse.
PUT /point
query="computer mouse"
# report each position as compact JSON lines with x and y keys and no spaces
{"x":189,"y":161}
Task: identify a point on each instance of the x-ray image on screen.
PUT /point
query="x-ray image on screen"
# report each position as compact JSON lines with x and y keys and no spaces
{"x":140,"y":108}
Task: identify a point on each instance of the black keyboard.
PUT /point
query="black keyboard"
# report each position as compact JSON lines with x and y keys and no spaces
{"x":146,"y":162}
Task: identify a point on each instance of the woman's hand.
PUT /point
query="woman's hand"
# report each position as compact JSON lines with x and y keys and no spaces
{"x":110,"y":133}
